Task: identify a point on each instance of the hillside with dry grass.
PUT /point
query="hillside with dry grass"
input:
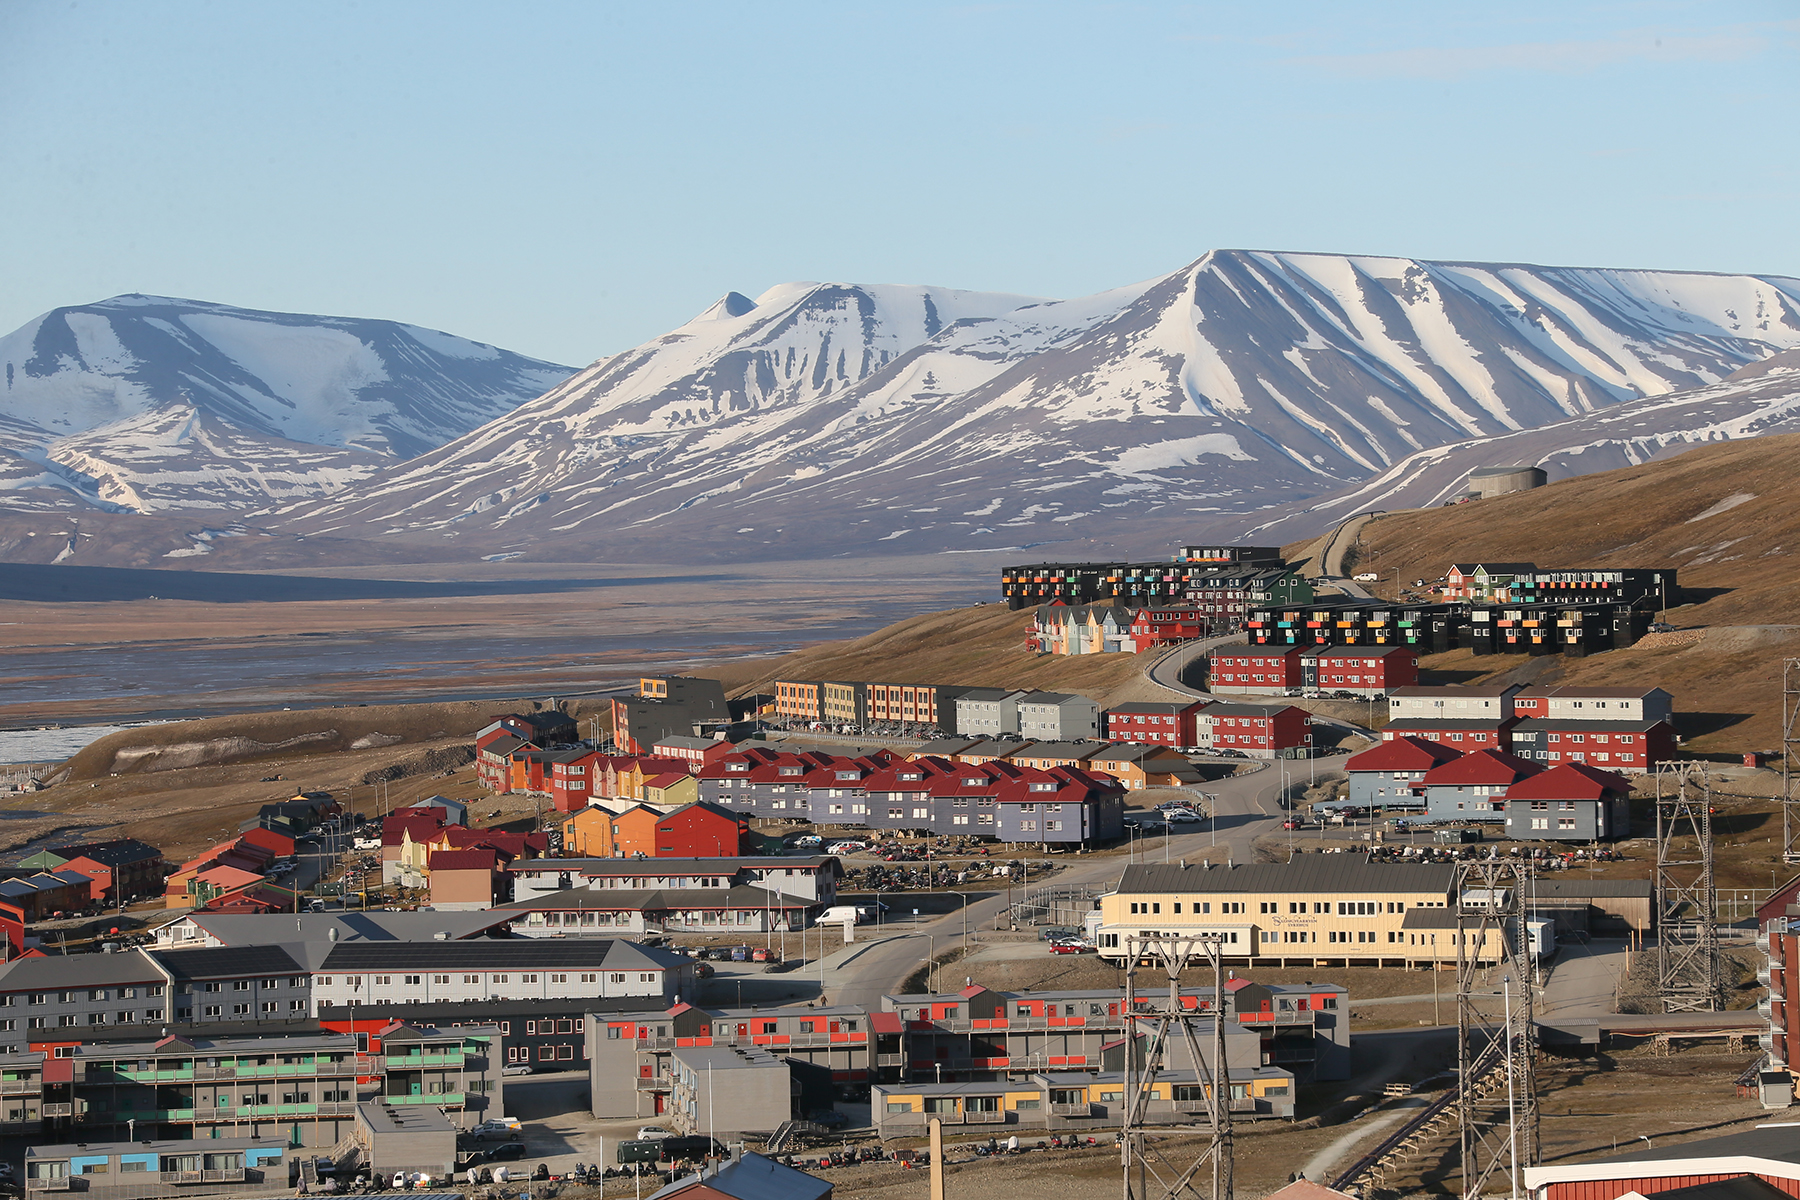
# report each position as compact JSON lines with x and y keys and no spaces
{"x":979,"y":646}
{"x":1727,"y":516}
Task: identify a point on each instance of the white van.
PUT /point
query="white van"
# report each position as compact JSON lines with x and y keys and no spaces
{"x":846,"y":914}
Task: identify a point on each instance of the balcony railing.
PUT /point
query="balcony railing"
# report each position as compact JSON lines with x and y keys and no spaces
{"x":890,"y":1060}
{"x":653,"y":1084}
{"x":1084,"y":1109}
{"x":997,"y":1117}
{"x":219,"y":1176}
{"x":16,"y":1087}
{"x":56,"y":1183}
{"x":58,"y":1110}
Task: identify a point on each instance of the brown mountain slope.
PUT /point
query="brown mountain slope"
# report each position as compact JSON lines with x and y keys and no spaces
{"x":1726,"y":515}
{"x":980,"y":646}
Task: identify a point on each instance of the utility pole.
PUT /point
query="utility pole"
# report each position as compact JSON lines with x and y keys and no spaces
{"x":1159,"y":1176}
{"x":1689,"y":972}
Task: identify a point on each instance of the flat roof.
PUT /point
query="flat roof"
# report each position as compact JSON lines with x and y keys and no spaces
{"x":82,"y":1149}
{"x":1304,"y":873}
{"x":407,"y":1118}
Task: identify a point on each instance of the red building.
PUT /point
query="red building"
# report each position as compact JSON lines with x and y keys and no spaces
{"x":1392,"y":773}
{"x":493,"y":760}
{"x":1259,"y":670}
{"x":1154,"y":724}
{"x":1629,"y":747}
{"x":1362,"y":670}
{"x":120,"y":868}
{"x":279,"y":844}
{"x":1153,"y":627}
{"x":1252,"y":729}
{"x":700,"y":830}
{"x":573,"y":776}
{"x":1460,"y":735}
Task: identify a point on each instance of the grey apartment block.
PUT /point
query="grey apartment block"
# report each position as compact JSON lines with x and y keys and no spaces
{"x":988,"y":712}
{"x":1057,"y":717}
{"x":1568,"y":820}
{"x":723,"y":1090}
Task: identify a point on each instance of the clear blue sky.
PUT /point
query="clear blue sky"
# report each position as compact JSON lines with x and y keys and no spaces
{"x":567,"y":180}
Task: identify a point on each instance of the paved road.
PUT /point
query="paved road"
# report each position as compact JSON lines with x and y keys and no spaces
{"x":1583,"y":979}
{"x":1246,"y":807}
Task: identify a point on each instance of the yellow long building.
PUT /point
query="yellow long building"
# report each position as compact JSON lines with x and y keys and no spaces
{"x":1318,"y":909}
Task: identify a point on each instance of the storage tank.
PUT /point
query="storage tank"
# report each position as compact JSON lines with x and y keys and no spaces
{"x":1487,"y":482}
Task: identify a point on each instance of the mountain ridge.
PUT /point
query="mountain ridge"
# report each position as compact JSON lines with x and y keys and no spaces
{"x":153,"y":402}
{"x":1242,"y":382}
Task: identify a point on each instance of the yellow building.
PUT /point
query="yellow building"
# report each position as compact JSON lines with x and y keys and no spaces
{"x":1318,"y":909}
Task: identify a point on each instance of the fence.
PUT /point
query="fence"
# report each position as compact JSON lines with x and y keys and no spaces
{"x":1057,"y":904}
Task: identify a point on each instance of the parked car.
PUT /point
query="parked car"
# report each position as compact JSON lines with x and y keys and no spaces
{"x":498,"y":1126}
{"x":1182,"y":816}
{"x":510,"y":1152}
{"x":652,"y":1133}
{"x":1070,"y":948}
{"x":517,"y":1069}
{"x":809,"y":839}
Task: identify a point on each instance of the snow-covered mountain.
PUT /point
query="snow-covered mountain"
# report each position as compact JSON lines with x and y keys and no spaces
{"x":835,"y":419}
{"x":151,"y":404}
{"x":1756,"y":401}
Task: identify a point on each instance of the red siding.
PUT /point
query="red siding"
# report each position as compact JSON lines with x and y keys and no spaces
{"x":1611,"y":1189}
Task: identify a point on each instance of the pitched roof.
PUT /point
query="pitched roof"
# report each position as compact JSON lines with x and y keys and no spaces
{"x":464,"y":860}
{"x":1486,"y":766}
{"x":1402,"y":754}
{"x":496,"y":955}
{"x":1570,"y":781}
{"x":752,"y":1177}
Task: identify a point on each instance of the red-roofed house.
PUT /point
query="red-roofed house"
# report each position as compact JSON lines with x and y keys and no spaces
{"x":463,"y":880}
{"x":574,"y":777}
{"x":1473,"y":787}
{"x":1570,"y":803}
{"x":1391,"y":774}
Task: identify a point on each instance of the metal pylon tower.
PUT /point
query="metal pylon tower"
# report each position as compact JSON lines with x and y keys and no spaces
{"x":1687,"y":920}
{"x":1496,"y":1036}
{"x":1790,"y":759}
{"x":1158,"y":1176}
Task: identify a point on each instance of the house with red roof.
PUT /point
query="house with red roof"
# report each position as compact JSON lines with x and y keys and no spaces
{"x":1473,"y":787}
{"x":1572,"y":802}
{"x":464,"y":880}
{"x":1391,"y":774}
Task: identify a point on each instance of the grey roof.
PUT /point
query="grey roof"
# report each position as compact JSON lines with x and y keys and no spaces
{"x":1054,"y":699}
{"x":667,"y":866}
{"x":946,"y":746}
{"x":229,"y":962}
{"x":1224,"y":709}
{"x":1573,"y":887}
{"x":1076,"y":749}
{"x":56,"y":971}
{"x":727,"y":1058}
{"x":71,"y":1149}
{"x":262,"y":929}
{"x":152,"y":1047}
{"x":655,"y":899}
{"x":753,"y":1177}
{"x":1776,"y":1142}
{"x":1581,"y":725}
{"x":1305,"y":873}
{"x":1435,"y":724}
{"x":510,"y":954}
{"x":997,"y":747}
{"x":683,"y":742}
{"x":1487,"y":691}
{"x":985,"y":695}
{"x":406,"y":1118}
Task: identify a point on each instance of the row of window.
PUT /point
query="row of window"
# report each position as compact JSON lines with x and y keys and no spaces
{"x":356,"y":981}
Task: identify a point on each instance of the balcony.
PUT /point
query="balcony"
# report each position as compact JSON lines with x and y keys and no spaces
{"x":996,"y":1117}
{"x":654,"y":1084}
{"x":215,"y":1072}
{"x":20,"y":1087}
{"x":448,"y":1099}
{"x":890,"y":1060}
{"x":58,"y":1110}
{"x":1084,"y":1109}
{"x":56,"y":1183}
{"x":219,"y":1176}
